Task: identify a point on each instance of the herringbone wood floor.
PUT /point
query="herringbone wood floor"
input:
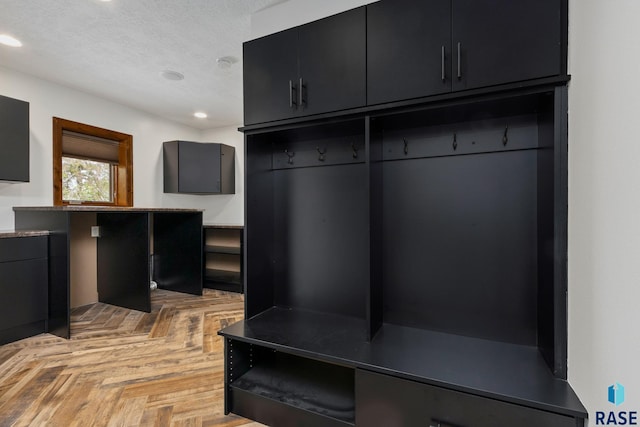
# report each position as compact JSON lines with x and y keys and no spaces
{"x":124,"y":367}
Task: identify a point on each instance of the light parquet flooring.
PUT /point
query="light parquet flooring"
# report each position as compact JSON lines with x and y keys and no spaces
{"x":124,"y":367}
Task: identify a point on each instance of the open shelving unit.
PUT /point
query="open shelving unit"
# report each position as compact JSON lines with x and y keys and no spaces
{"x":223,"y":257}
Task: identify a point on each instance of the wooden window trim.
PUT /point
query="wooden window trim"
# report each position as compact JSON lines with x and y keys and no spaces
{"x":122,"y":179}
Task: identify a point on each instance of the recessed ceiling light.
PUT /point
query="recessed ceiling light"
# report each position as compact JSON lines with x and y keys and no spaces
{"x":225,"y":62}
{"x":10,"y":41}
{"x":172,"y":75}
{"x":200,"y":115}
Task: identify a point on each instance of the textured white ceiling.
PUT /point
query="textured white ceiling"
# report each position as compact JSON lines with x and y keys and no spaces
{"x":118,"y":49}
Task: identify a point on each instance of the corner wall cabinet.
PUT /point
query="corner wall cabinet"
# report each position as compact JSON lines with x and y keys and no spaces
{"x":14,"y":140}
{"x":223,"y":258}
{"x":198,"y":168}
{"x":23,"y":285}
{"x":406,"y":263}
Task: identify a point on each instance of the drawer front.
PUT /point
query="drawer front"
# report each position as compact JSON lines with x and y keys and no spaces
{"x":387,"y":401}
{"x":21,"y":248}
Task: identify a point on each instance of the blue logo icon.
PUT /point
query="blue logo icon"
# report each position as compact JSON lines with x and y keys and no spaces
{"x":616,"y":394}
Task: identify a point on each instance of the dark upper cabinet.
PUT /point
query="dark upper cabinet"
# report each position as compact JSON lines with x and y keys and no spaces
{"x":503,"y":41}
{"x":14,"y":140}
{"x":270,"y":73}
{"x":408,"y":49}
{"x":315,"y":68}
{"x":417,"y":48}
{"x":198,"y":168}
{"x":332,"y":55}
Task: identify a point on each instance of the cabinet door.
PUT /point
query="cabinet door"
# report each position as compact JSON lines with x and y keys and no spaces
{"x":270,"y":77}
{"x":332,"y":54}
{"x":408,"y":49}
{"x":23,"y":293}
{"x":14,"y":139}
{"x":501,"y":41}
{"x":199,"y":169}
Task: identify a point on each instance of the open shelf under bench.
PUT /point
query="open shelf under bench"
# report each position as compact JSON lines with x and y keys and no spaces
{"x":506,"y":372}
{"x":286,"y":386}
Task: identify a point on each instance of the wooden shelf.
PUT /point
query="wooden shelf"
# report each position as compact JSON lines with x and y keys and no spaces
{"x":216,"y":275}
{"x":219,"y":249}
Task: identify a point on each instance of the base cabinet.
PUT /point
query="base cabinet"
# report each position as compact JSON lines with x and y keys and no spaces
{"x":282,"y":389}
{"x":393,"y":402}
{"x":23,"y":287}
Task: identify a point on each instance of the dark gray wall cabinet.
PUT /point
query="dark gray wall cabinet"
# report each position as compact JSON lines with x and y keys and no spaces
{"x":406,"y":262}
{"x":198,"y":168}
{"x":315,"y":68}
{"x":23,"y":287}
{"x":14,"y":140}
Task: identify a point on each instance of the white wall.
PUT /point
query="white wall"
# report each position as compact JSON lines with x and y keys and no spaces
{"x":48,"y":100}
{"x":229,"y":209}
{"x":297,"y":12}
{"x":604,"y":201}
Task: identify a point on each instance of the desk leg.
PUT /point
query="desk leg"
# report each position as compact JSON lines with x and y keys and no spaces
{"x":123,"y":260}
{"x":177,"y":255}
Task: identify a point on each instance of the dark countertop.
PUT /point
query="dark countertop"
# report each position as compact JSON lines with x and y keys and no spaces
{"x":82,"y":208}
{"x":8,"y":234}
{"x":227,"y":226}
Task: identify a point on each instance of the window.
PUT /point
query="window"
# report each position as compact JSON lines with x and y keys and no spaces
{"x":91,"y":166}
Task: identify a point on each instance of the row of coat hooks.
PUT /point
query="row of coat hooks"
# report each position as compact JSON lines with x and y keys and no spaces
{"x":505,"y":140}
{"x":321,"y":153}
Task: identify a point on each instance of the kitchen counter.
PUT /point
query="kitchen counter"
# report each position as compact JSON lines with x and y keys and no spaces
{"x":85,"y":208}
{"x":8,"y":234}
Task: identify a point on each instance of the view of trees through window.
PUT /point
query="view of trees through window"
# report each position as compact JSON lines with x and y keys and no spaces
{"x":86,"y":180}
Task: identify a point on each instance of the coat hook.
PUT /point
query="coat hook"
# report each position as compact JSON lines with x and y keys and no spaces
{"x":455,"y":141}
{"x":355,"y":150}
{"x":406,"y":146}
{"x":505,"y":137}
{"x":321,"y":152}
{"x":290,"y":155}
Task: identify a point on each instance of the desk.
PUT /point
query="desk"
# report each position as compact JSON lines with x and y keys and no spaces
{"x":128,"y":238}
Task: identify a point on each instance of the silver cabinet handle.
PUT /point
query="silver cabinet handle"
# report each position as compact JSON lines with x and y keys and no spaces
{"x":292,"y":99}
{"x":444,"y":76}
{"x":459,"y":68}
{"x":301,"y":93}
